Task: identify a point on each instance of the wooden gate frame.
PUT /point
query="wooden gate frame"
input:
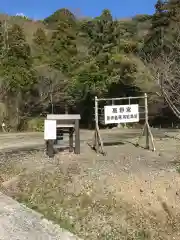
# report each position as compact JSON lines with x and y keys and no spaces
{"x":98,"y":145}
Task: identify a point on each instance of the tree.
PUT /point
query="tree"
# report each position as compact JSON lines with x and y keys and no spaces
{"x":164,"y":61}
{"x":103,"y":34}
{"x":62,"y":14}
{"x":40,"y":37}
{"x":18,"y":61}
{"x":17,"y":74}
{"x":165,"y":71}
{"x":40,"y":47}
{"x":71,"y":60}
{"x":63,"y":45}
{"x":156,"y":40}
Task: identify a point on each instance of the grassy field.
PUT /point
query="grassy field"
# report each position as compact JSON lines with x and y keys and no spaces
{"x":130,"y":194}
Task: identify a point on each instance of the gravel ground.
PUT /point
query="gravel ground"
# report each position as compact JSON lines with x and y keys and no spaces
{"x":130,"y":193}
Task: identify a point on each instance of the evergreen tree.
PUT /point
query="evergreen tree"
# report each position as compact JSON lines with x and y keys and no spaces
{"x":17,"y":63}
{"x":63,"y":46}
{"x":17,"y":75}
{"x":155,"y":41}
{"x":103,"y":34}
{"x":40,"y":47}
{"x":40,"y":38}
{"x":60,"y":15}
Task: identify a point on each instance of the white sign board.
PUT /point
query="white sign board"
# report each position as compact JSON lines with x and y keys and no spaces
{"x":50,"y":129}
{"x":121,"y":113}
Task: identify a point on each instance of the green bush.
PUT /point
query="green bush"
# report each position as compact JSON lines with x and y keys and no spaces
{"x":35,"y":124}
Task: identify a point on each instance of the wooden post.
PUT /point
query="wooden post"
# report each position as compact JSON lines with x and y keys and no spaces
{"x":77,"y":137}
{"x":70,"y":139}
{"x":151,"y":137}
{"x":96,"y":144}
{"x":50,"y":148}
{"x":97,"y":137}
{"x":129,"y":100}
{"x":146,"y":121}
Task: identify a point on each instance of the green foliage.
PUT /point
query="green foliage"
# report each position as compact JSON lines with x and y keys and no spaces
{"x":16,"y":66}
{"x":71,"y":60}
{"x":142,"y":17}
{"x":164,"y":22}
{"x":59,"y":15}
{"x":40,"y":37}
{"x":89,"y":79}
{"x":63,"y":47}
{"x":40,"y":47}
{"x":35,"y":124}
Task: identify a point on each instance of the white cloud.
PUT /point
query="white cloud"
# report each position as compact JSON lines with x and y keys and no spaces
{"x":20,"y":14}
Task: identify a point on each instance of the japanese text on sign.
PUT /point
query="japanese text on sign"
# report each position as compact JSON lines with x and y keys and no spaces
{"x":121,"y":113}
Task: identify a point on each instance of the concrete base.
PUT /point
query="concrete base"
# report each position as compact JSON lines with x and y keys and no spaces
{"x":17,"y":222}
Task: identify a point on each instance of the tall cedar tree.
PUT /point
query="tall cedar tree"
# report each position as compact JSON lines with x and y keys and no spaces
{"x":17,"y":63}
{"x":103,"y":34}
{"x":63,"y":45}
{"x":40,"y":47}
{"x":40,"y":37}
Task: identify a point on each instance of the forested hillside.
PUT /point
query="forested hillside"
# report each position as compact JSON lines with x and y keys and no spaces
{"x":63,"y":61}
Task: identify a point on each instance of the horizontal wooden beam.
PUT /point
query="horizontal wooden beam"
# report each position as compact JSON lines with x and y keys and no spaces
{"x":116,"y":99}
{"x":65,"y":125}
{"x":63,"y":116}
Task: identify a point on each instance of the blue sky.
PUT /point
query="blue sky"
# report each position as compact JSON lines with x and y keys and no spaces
{"x":39,"y":9}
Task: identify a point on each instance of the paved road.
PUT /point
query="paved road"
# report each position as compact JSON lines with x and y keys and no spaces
{"x":30,"y":140}
{"x":20,"y":141}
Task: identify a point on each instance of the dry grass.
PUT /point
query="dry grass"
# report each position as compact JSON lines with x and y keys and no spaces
{"x":99,"y":197}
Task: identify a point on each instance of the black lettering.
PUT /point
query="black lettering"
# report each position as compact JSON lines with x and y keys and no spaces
{"x":114,"y":110}
{"x":121,"y":109}
{"x":128,"y":109}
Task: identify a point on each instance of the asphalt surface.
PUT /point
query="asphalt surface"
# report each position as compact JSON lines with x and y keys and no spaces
{"x":30,"y":141}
